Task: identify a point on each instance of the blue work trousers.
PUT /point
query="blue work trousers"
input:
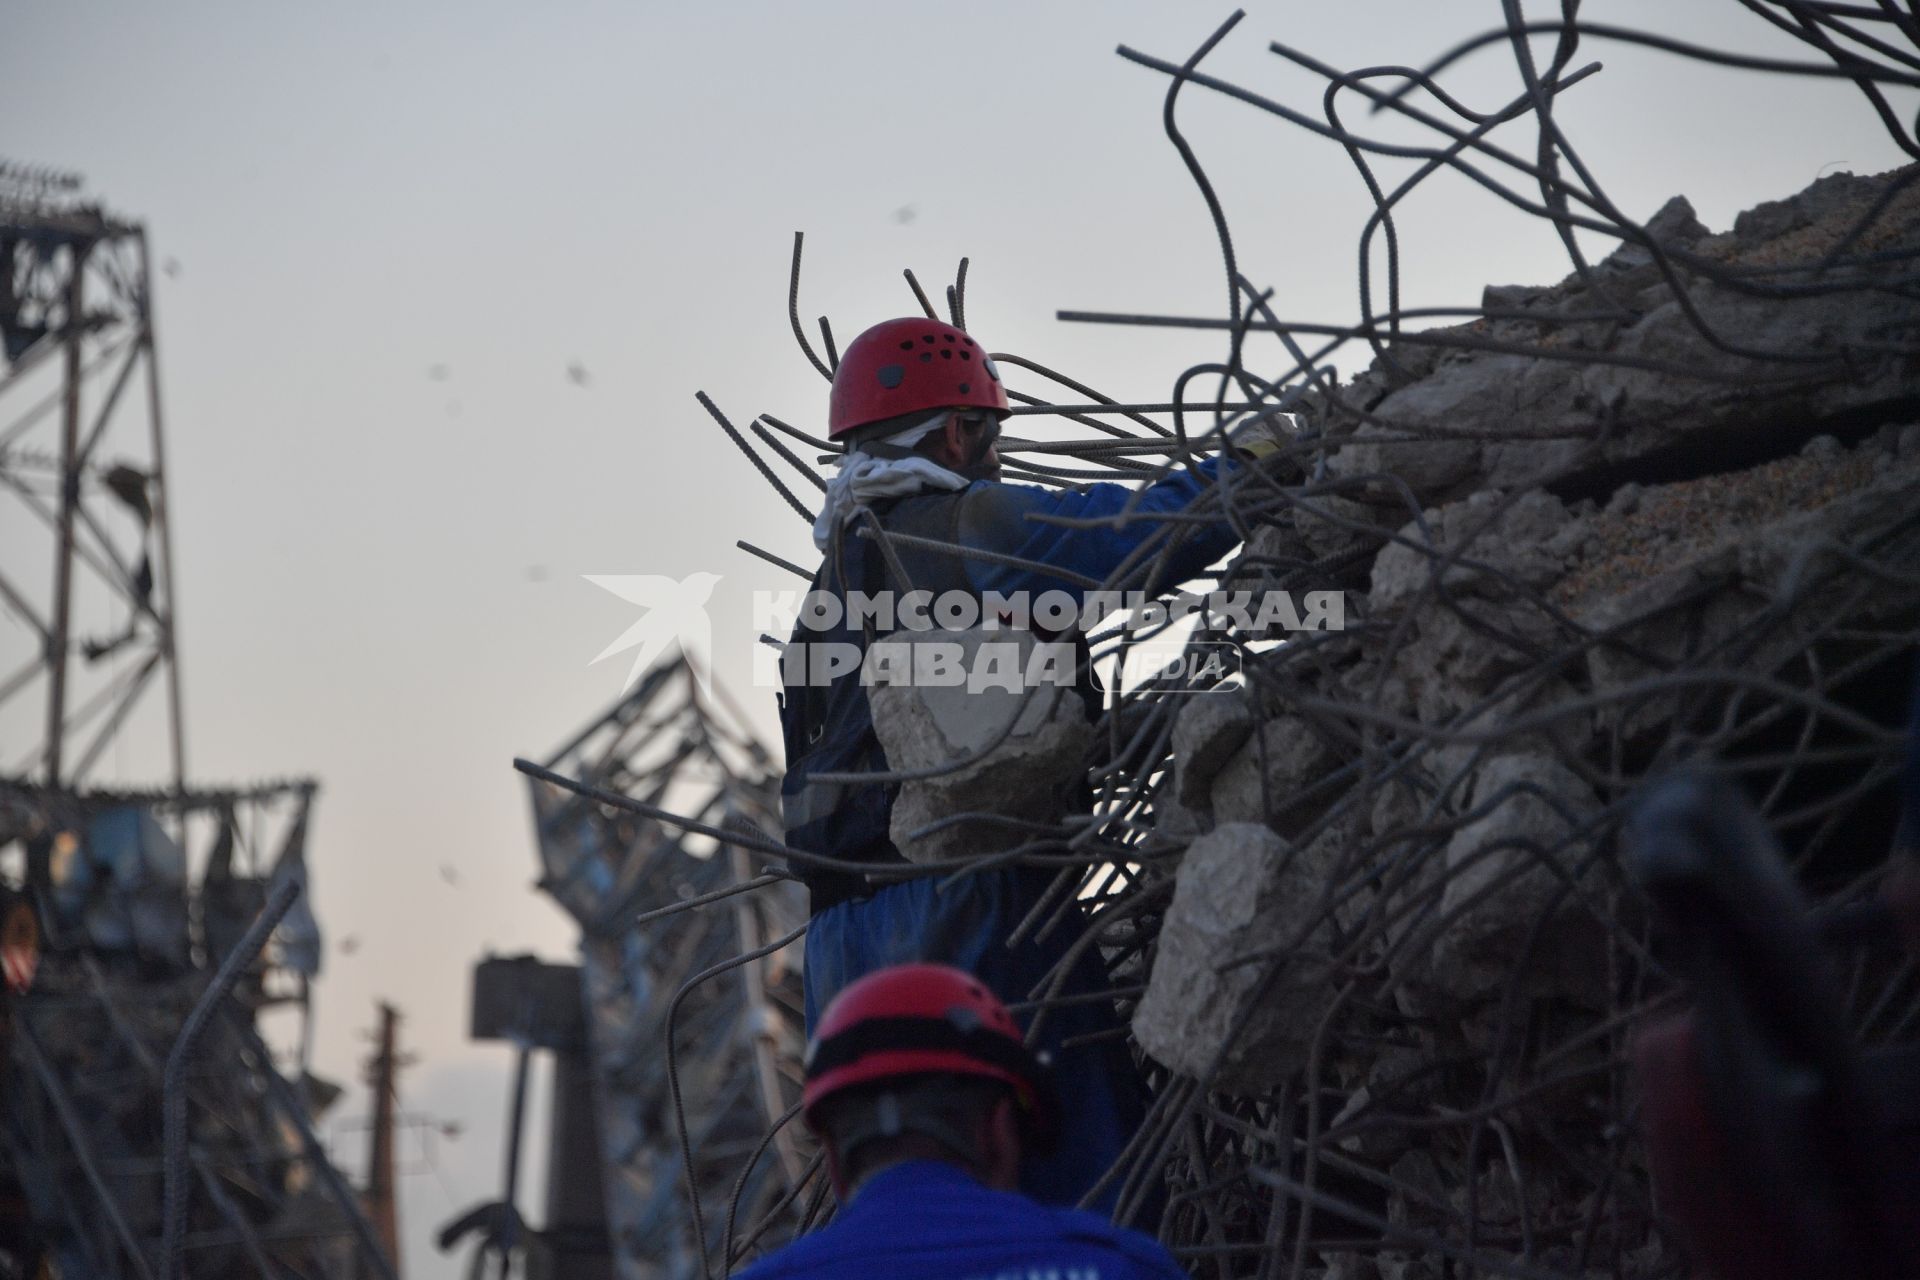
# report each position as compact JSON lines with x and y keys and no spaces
{"x":965,"y":922}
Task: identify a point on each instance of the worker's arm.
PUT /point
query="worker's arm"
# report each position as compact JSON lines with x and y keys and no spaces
{"x":998,"y":517}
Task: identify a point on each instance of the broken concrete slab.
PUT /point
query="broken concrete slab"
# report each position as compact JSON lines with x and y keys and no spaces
{"x":1013,"y":751}
{"x":1518,"y":860}
{"x":1456,"y":658}
{"x":1265,"y":779}
{"x":1240,"y":888}
{"x":1490,"y":543}
{"x":1684,"y":575}
{"x":1631,"y":370}
{"x":1206,"y":733}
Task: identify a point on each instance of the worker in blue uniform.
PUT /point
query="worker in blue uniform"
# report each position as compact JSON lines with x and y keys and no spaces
{"x":924,"y":1097}
{"x":918,"y":406}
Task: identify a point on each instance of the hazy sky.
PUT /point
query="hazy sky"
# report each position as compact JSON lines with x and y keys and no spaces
{"x":380,"y":569}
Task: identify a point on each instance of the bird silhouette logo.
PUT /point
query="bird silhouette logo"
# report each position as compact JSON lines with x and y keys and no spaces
{"x":675,"y":610}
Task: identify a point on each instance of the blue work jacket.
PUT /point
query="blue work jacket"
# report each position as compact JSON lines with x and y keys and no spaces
{"x":925,"y":1220}
{"x":830,"y":730}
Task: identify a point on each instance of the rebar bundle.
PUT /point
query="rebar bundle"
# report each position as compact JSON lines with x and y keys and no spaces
{"x":1363,"y":906}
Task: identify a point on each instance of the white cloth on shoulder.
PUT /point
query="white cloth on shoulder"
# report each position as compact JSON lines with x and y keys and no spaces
{"x":862,"y":477}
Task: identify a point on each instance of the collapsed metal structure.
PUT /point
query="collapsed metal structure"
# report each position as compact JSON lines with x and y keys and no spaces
{"x":719,"y":990}
{"x":145,"y":1127}
{"x":1662,"y":511}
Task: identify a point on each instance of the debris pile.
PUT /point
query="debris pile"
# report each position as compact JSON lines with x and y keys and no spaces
{"x":1561,"y":578}
{"x":1362,"y":904}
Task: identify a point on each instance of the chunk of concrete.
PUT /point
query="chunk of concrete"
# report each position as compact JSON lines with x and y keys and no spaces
{"x":1487,"y":544}
{"x":1330,"y":526}
{"x":1240,"y":889}
{"x":1206,"y":733}
{"x":1014,"y":752}
{"x":1503,"y":897}
{"x":1265,"y":779}
{"x":1458,"y":656}
{"x":1736,"y":570}
{"x":1668,"y":369}
{"x":1176,"y":823}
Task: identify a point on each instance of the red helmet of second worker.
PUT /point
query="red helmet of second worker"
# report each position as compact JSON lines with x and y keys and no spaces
{"x":905,"y":366}
{"x":927,"y":1019}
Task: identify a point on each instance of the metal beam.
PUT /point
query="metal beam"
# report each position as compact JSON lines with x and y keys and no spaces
{"x":20,"y":606}
{"x":162,"y":529}
{"x":84,"y":714}
{"x":31,"y":501}
{"x":69,"y":500}
{"x":19,"y":680}
{"x":19,"y":426}
{"x":25,"y":366}
{"x":124,"y":583}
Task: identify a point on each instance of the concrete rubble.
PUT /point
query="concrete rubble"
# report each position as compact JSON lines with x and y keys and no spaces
{"x":1501,"y":421}
{"x":1271,"y":779}
{"x":1003,"y":753}
{"x":1241,"y":889}
{"x":1588,"y":533}
{"x":1206,"y":734}
{"x":1505,"y":875}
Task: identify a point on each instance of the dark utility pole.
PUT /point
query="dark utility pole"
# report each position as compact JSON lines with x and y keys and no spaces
{"x":381,"y":1196}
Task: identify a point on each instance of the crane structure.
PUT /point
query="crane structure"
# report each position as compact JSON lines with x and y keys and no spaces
{"x":147,"y":1129}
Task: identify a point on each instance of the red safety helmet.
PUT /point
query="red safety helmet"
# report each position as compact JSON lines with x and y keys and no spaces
{"x":927,"y":1019}
{"x":904,"y":366}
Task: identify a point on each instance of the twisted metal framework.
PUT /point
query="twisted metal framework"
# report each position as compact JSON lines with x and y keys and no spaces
{"x":1464,"y":980}
{"x":693,"y":1020}
{"x":134,"y":1150}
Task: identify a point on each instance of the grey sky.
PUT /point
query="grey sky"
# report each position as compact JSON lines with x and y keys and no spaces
{"x":380,"y":570}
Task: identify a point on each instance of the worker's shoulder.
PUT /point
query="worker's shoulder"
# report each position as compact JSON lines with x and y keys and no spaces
{"x":1020,"y":1244}
{"x":994,"y":511}
{"x":1144,"y":1256}
{"x":806,"y":1255}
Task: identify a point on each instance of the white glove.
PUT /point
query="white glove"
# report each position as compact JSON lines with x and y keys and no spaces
{"x":1262,"y":437}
